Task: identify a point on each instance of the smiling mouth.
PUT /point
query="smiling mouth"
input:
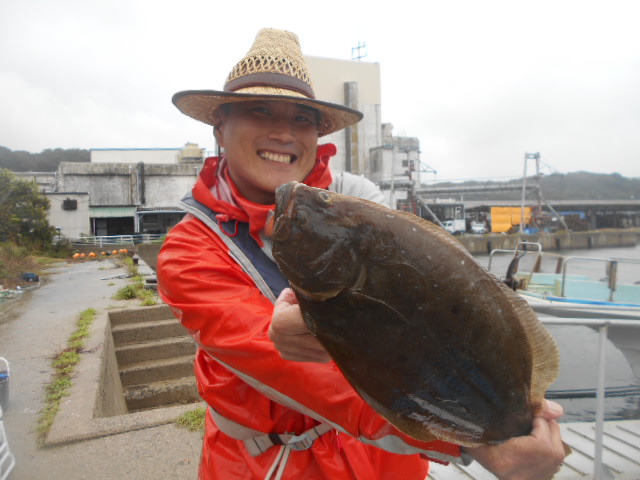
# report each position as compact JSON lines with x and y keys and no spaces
{"x":277,"y":157}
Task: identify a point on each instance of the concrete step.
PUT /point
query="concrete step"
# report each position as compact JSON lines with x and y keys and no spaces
{"x":156,"y":370}
{"x":144,"y":331}
{"x":143,"y":314}
{"x":161,"y":394}
{"x":133,"y":353}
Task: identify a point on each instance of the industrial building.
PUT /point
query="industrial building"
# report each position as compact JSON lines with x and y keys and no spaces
{"x":131,"y":191}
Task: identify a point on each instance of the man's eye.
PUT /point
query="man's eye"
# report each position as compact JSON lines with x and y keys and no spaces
{"x":306,"y":119}
{"x":260,"y":110}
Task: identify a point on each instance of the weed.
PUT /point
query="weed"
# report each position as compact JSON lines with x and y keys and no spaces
{"x":66,"y":361}
{"x":63,"y":364}
{"x":14,"y":261}
{"x":193,"y":420}
{"x":128,"y":292}
{"x":136,"y":290}
{"x":131,"y":267}
{"x":149,"y":299}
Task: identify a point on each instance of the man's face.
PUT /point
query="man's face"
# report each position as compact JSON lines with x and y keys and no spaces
{"x":267,"y":143}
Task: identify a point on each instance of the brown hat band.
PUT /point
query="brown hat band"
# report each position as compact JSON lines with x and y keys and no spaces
{"x":270,"y":79}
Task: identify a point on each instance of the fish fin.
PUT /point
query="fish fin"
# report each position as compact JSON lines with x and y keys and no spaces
{"x":545,"y":362}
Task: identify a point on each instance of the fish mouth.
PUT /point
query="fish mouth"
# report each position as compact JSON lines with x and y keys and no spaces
{"x":318,"y":296}
{"x":278,"y":157}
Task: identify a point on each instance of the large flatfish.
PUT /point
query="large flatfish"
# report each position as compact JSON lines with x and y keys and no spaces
{"x":433,"y":342}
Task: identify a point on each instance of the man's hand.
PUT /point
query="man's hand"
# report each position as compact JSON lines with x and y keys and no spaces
{"x":537,"y":456}
{"x":290,"y":335}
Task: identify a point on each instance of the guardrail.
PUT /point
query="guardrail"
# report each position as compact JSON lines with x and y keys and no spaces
{"x":562,"y":264}
{"x":107,"y":240}
{"x":602,"y":325}
{"x":612,"y":270}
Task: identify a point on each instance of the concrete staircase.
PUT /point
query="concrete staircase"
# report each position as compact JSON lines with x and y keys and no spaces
{"x":155,"y":358}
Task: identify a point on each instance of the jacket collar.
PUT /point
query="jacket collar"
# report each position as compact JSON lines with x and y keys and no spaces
{"x":215,"y":189}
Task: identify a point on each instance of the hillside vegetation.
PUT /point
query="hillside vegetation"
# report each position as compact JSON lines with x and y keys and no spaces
{"x":562,"y":186}
{"x":45,"y":161}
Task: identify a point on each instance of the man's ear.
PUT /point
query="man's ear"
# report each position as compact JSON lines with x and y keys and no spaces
{"x":216,"y":134}
{"x":218,"y":119}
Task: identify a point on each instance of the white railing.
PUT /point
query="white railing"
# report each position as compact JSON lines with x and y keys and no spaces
{"x":107,"y":240}
{"x":602,"y":325}
{"x":612,"y":270}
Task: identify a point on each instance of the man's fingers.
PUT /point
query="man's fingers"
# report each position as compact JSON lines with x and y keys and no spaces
{"x":305,"y":355}
{"x":550,"y":410}
{"x":286,"y":299}
{"x":289,"y":333}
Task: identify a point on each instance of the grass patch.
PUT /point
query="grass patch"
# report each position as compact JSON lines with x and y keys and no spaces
{"x":64,"y":365}
{"x":193,"y":420}
{"x":130,"y":266}
{"x":136,"y":290}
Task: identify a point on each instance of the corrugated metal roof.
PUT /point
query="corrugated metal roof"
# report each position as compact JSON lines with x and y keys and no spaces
{"x":621,"y":454}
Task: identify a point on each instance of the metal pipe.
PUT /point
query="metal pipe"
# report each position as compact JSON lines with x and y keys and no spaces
{"x":602,"y":346}
{"x":589,"y":322}
{"x":611,"y":270}
{"x":524,"y":190}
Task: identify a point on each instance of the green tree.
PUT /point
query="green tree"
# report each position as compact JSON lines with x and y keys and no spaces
{"x":23,"y":213}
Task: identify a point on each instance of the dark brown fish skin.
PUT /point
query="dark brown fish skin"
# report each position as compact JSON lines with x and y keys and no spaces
{"x":422,"y":332}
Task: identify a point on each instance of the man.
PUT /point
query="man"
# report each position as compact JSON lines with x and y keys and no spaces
{"x":279,"y":408}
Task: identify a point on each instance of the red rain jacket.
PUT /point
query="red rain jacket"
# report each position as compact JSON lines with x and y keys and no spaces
{"x":239,"y":372}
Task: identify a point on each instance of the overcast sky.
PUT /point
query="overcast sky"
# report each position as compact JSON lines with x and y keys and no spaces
{"x":479,"y":82}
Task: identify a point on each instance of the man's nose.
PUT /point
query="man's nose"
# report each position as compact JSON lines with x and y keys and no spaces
{"x":282,"y":129}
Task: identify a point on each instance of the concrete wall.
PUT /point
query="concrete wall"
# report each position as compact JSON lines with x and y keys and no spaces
{"x":110,"y":396}
{"x":552,"y":241}
{"x":72,"y":223}
{"x":330,"y":74}
{"x":46,"y":181}
{"x":118,"y":184}
{"x":164,"y":187}
{"x":135,"y":155}
{"x":329,"y":77}
{"x":107,"y":184}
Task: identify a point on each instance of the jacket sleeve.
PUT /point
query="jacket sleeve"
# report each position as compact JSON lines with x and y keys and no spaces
{"x":357,"y":186}
{"x":229,"y":318}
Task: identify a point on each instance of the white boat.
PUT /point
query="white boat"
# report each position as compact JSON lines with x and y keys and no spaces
{"x":561,"y":292}
{"x":560,"y":287}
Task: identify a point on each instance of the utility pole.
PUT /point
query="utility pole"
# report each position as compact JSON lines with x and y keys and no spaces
{"x":528,"y":156}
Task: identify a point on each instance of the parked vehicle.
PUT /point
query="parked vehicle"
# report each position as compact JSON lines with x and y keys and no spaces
{"x":455,"y":226}
{"x":478,"y":227}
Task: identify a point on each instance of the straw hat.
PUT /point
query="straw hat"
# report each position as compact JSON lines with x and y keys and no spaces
{"x":273,"y":69}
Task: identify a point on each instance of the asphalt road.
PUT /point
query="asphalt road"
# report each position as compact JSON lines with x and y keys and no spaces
{"x":33,"y":329}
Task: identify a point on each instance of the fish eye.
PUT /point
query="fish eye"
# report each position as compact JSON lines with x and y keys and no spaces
{"x":324,"y":198}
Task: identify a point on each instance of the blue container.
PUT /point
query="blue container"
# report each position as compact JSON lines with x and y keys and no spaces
{"x":4,"y":383}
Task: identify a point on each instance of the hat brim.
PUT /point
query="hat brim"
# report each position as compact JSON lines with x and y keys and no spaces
{"x":201,"y":104}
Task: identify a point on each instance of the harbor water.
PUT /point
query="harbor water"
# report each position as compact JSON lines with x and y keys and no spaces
{"x":578,"y":345}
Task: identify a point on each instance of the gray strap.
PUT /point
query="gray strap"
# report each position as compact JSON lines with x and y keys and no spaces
{"x":258,"y":442}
